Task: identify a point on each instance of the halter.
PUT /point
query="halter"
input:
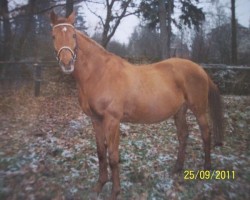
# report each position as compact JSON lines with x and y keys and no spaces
{"x":73,"y":52}
{"x":64,"y":24}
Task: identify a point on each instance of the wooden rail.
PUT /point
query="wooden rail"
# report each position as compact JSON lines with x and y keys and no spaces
{"x":38,"y":65}
{"x":224,"y":67}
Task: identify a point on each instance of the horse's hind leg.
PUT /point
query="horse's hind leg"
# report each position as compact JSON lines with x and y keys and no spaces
{"x":182,"y":132}
{"x":201,"y":115}
{"x":206,"y":137}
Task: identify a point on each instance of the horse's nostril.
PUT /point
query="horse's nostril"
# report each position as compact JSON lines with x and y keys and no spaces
{"x":71,"y":62}
{"x":60,"y":63}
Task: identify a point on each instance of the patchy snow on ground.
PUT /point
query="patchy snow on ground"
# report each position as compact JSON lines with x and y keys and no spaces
{"x":47,"y":152}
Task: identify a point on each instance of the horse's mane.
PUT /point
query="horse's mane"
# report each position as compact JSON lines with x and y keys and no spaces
{"x":91,"y":41}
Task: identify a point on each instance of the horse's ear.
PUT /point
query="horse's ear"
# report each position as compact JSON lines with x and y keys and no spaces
{"x":53,"y":17}
{"x":71,"y":18}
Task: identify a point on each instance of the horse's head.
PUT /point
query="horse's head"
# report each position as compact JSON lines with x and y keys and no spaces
{"x":65,"y":41}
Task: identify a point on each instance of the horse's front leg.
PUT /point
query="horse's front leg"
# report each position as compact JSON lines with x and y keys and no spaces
{"x":111,"y":125}
{"x":102,"y":156}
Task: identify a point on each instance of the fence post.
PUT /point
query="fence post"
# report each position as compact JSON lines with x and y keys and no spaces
{"x":38,"y":72}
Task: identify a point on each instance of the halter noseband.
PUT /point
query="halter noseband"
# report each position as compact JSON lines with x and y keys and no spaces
{"x":73,"y":52}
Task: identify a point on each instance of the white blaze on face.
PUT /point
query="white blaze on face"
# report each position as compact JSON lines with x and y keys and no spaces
{"x":64,"y":29}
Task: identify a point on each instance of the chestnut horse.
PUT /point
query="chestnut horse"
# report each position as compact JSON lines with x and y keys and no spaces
{"x":111,"y":91}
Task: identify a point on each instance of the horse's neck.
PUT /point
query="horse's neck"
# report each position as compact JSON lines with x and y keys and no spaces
{"x":90,"y":59}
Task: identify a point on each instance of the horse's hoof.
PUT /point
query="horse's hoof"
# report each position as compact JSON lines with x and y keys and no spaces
{"x":93,"y":196}
{"x":207,"y":167}
{"x":117,"y":197}
{"x":218,"y":144}
{"x":176,"y":169}
{"x":175,"y":172}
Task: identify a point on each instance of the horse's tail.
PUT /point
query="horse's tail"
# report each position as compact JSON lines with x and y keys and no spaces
{"x":216,"y":113}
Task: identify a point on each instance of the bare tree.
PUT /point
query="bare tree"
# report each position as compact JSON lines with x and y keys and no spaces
{"x":116,"y":10}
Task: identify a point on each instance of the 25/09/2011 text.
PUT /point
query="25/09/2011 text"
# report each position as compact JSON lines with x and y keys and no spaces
{"x":209,"y":175}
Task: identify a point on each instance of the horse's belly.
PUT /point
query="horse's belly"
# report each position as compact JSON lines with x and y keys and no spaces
{"x":153,"y":110}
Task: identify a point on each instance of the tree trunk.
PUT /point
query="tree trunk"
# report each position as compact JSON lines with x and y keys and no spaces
{"x":69,"y":7}
{"x":106,"y":24}
{"x":169,"y":20}
{"x":234,"y":34}
{"x":163,"y":29}
{"x":4,"y":11}
{"x":112,"y":20}
{"x":27,"y":28}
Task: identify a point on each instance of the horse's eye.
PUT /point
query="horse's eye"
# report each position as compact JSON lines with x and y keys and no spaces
{"x":74,"y":35}
{"x":53,"y":37}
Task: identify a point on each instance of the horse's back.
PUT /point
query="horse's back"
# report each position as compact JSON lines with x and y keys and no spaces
{"x":183,"y":67}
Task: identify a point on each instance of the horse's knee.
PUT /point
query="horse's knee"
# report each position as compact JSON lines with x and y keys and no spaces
{"x":102,"y":157}
{"x":113,"y":159}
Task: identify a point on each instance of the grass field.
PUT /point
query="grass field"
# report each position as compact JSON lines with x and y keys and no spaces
{"x":47,"y":151}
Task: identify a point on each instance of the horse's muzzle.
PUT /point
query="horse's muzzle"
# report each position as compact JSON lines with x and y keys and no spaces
{"x":67,"y":68}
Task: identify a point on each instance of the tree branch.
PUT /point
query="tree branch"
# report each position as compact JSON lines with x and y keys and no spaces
{"x":94,"y":13}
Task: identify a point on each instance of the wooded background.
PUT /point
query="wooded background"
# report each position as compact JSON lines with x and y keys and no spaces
{"x":164,"y":30}
{"x":172,"y":28}
{"x":47,"y":147}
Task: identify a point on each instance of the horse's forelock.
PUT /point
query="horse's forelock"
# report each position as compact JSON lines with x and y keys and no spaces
{"x":61,"y":20}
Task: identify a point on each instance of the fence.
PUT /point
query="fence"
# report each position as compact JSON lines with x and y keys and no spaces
{"x":37,"y":68}
{"x":230,"y":79}
{"x":222,"y":74}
